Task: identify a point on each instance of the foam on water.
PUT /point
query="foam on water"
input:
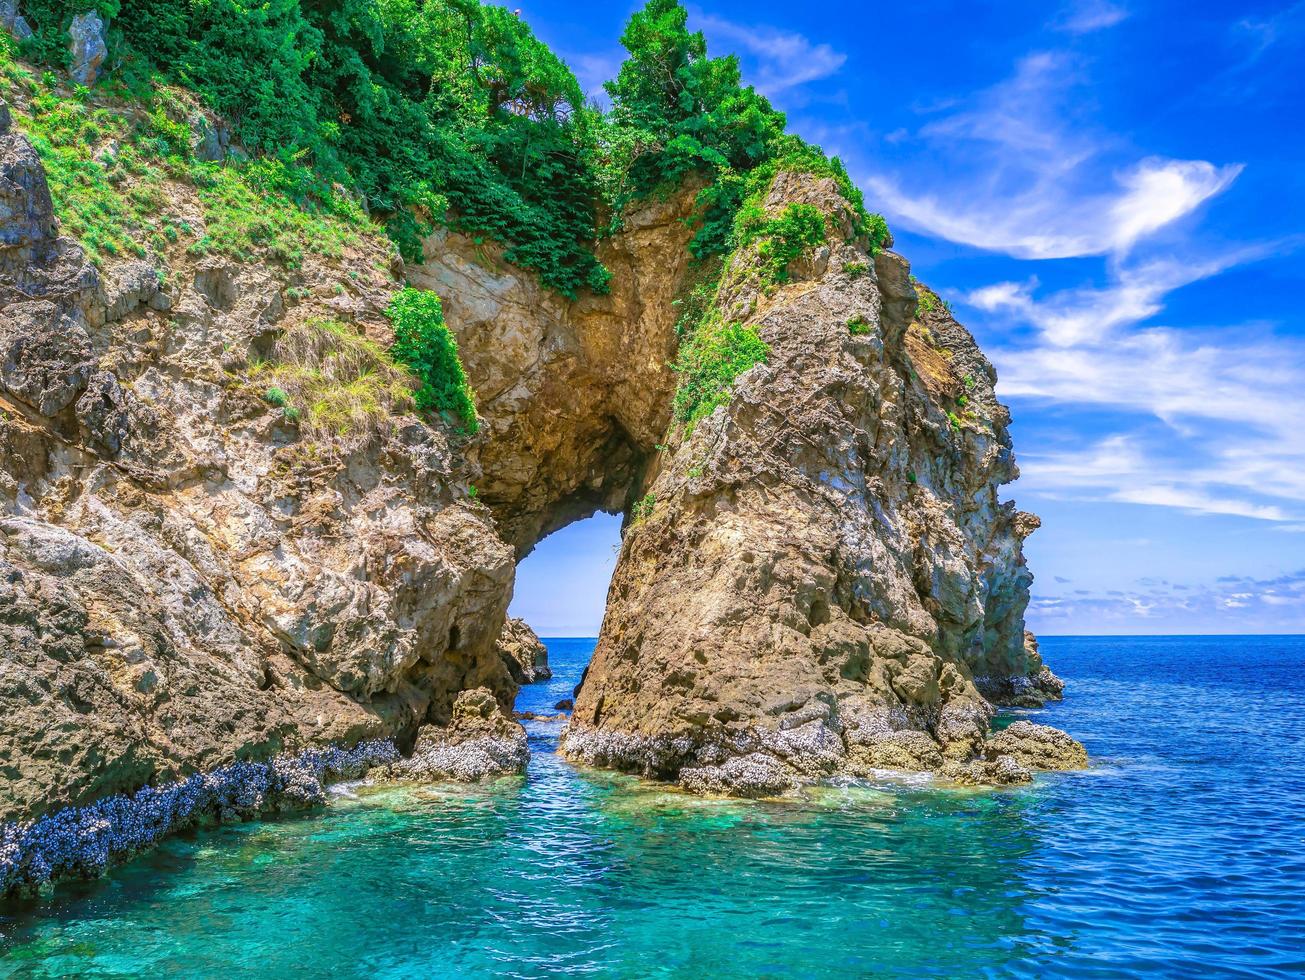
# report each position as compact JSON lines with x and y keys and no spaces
{"x":1181,"y":853}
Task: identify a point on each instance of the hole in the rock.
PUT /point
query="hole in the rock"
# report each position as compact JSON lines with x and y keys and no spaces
{"x":455,"y":638}
{"x":561,"y":592}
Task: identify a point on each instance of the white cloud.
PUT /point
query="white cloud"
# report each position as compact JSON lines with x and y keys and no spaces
{"x":592,"y":70}
{"x":1232,"y":439}
{"x":784,"y":59}
{"x":1024,"y":175}
{"x":1230,"y":604}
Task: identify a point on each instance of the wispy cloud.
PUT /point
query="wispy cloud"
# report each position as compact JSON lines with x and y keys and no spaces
{"x":1088,"y":16}
{"x":1232,"y":433}
{"x":592,"y":70}
{"x":1027,"y":176}
{"x":1248,"y":603}
{"x":784,"y":60}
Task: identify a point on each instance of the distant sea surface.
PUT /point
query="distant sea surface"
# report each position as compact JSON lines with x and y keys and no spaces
{"x":1181,"y":853}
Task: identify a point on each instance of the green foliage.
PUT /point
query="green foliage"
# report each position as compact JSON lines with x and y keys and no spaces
{"x":424,"y":343}
{"x":783,"y":239}
{"x":277,"y":396}
{"x":247,"y":211}
{"x":110,"y":172}
{"x":858,"y":326}
{"x":855,"y":270}
{"x":955,"y":421}
{"x":709,"y":362}
{"x":969,"y":381}
{"x":697,"y":299}
{"x":676,"y":112}
{"x":642,"y":508}
{"x":430,"y":110}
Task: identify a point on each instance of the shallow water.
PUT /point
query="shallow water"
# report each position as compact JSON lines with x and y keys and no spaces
{"x":1181,"y":853}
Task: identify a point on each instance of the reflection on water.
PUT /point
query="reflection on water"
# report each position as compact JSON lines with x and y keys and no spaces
{"x":1158,"y":861}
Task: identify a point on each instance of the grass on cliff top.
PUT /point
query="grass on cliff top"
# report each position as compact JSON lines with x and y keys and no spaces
{"x":336,"y":384}
{"x":124,"y":181}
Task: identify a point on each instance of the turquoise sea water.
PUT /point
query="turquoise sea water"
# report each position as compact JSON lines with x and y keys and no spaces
{"x":1181,"y":853}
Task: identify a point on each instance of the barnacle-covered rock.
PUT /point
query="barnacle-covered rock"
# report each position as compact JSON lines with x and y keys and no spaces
{"x":480,"y":742}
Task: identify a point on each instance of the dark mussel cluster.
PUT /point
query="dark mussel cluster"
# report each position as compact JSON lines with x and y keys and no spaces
{"x":81,"y":841}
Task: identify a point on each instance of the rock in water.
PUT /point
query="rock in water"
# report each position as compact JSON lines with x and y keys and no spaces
{"x":88,"y":47}
{"x":821,"y":568}
{"x":481,"y":742}
{"x":1037,"y":747}
{"x":523,"y":653}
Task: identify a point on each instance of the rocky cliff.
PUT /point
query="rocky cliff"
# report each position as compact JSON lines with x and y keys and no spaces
{"x":190,"y":574}
{"x":822,"y":575}
{"x":816,"y":578}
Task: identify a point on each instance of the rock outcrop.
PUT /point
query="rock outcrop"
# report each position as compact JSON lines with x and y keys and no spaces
{"x":89,"y":47}
{"x":523,"y":653}
{"x":819,"y":577}
{"x":481,"y":742}
{"x":186,"y":577}
{"x":824,"y":566}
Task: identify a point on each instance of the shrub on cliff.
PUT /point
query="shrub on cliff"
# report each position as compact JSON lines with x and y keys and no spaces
{"x":709,"y":362}
{"x":783,"y":239}
{"x":424,"y":343}
{"x":676,"y":112}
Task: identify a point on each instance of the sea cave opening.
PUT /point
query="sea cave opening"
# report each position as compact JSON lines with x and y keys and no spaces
{"x":561,"y":593}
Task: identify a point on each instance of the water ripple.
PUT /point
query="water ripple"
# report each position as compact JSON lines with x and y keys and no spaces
{"x":1181,"y":853}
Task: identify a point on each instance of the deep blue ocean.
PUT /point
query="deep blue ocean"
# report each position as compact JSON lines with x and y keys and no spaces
{"x":1181,"y":853}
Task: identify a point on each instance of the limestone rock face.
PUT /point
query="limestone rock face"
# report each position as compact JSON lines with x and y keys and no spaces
{"x":575,"y":395}
{"x":523,"y":653}
{"x":89,"y":48}
{"x":1037,"y":746}
{"x":185,"y":578}
{"x":825,"y":566}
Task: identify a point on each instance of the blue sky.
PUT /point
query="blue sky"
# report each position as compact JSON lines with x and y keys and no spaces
{"x":1112,"y":196}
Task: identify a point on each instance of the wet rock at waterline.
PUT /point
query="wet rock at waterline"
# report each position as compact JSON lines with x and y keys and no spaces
{"x":481,"y":742}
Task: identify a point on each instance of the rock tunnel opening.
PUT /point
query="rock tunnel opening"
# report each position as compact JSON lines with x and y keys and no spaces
{"x":561,"y":592}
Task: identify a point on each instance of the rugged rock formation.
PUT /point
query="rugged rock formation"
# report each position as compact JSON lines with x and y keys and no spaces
{"x":185,"y":577}
{"x":823,"y":581}
{"x":481,"y":742}
{"x":523,"y":653}
{"x":575,"y":395}
{"x":1037,"y":746}
{"x":825,"y":566}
